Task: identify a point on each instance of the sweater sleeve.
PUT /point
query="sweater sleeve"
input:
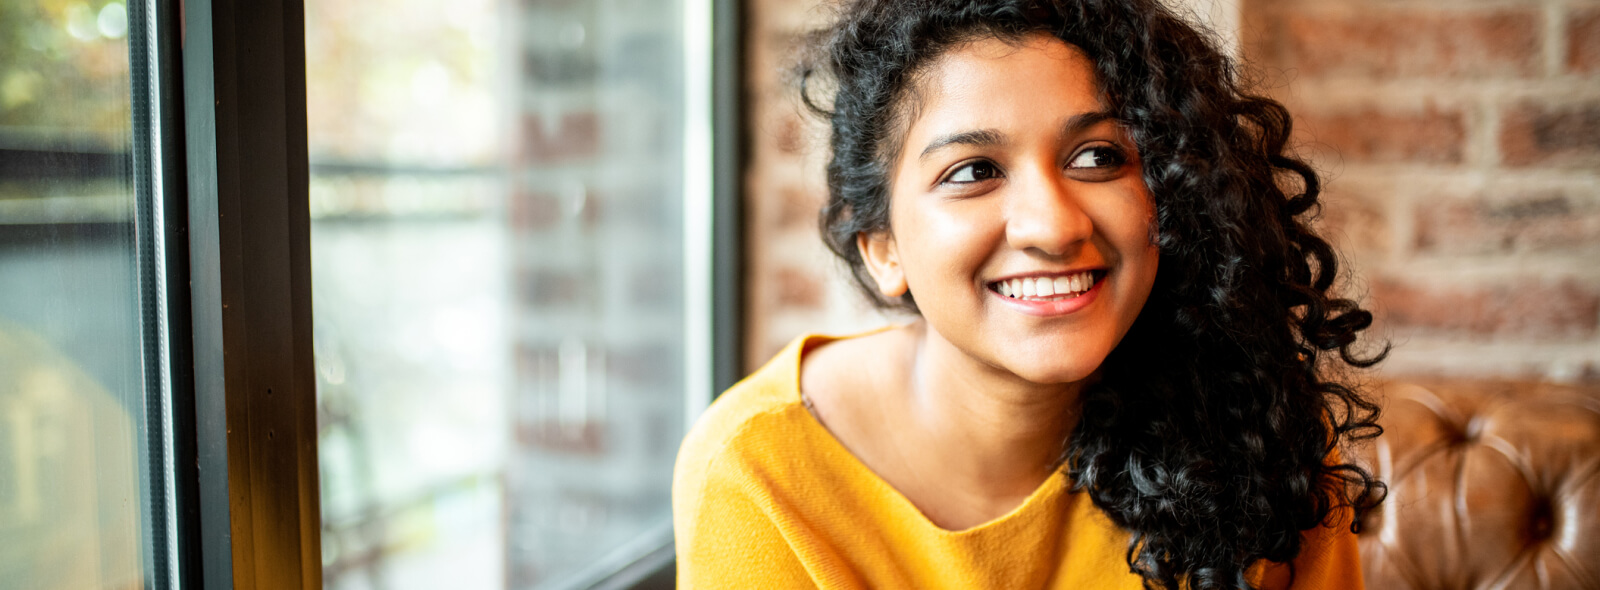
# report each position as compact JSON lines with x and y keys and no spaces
{"x":724,"y":539}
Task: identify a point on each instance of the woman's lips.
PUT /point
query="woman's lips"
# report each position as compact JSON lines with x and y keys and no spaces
{"x":1052,"y":295}
{"x":1045,"y":287}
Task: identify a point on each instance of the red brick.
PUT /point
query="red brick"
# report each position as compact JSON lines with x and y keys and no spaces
{"x":790,"y":136}
{"x":1521,"y":307}
{"x":539,"y":424}
{"x":577,"y":136}
{"x":797,"y":208}
{"x":1532,"y":223}
{"x":1545,"y":134}
{"x":1354,"y":224}
{"x":583,"y":438}
{"x":1385,"y":43}
{"x":798,"y":289}
{"x":534,"y":210}
{"x":1431,"y":136}
{"x":1583,"y":41}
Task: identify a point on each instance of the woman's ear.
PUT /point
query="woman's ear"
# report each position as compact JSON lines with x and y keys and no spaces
{"x":883,"y":263}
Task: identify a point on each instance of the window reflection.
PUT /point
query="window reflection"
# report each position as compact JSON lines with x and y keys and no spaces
{"x":69,"y":499}
{"x":497,"y":286}
{"x":72,"y":396}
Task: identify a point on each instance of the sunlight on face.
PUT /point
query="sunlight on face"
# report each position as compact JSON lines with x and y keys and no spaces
{"x":1019,"y":219}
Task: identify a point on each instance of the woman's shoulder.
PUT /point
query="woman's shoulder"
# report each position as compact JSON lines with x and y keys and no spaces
{"x":771,"y":390}
{"x":762,"y":410}
{"x":762,"y":407}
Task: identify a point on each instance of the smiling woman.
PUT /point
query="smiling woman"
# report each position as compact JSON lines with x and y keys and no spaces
{"x":1123,"y":372}
{"x":1013,"y":174}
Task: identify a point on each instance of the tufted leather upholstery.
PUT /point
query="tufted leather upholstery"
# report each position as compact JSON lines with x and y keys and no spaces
{"x":1491,"y":485}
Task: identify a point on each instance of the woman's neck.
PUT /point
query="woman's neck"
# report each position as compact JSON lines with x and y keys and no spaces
{"x":994,"y":433}
{"x":963,"y":441}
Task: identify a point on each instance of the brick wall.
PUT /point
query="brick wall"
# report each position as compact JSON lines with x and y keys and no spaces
{"x":793,"y":284}
{"x":1460,"y":141}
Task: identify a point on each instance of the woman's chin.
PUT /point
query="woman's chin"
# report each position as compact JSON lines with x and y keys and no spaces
{"x":1053,"y":363}
{"x":1054,"y":373}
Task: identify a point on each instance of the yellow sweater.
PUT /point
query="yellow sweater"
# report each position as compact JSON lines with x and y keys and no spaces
{"x":763,"y":496}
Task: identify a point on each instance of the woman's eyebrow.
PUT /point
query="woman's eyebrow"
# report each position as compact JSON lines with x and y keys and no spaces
{"x":987,"y":137}
{"x":1081,"y":121}
{"x":979,"y":137}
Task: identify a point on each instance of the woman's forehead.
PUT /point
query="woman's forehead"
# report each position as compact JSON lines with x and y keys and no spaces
{"x":996,"y":84}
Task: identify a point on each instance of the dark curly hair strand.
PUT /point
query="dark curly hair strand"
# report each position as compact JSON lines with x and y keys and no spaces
{"x":1211,"y":436}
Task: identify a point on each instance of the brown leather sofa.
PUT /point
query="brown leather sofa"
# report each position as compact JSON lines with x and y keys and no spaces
{"x":1491,"y":485}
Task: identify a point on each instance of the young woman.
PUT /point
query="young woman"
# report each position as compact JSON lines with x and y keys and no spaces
{"x":1124,"y":370}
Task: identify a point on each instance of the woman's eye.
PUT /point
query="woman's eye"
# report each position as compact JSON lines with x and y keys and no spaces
{"x":1097,"y":157}
{"x":974,"y":172}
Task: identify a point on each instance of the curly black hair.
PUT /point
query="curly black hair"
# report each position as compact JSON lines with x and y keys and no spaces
{"x":1211,"y":437}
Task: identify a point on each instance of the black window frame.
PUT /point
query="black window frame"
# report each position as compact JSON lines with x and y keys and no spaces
{"x":254,"y":384}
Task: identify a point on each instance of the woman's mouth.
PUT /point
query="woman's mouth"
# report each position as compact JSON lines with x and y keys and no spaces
{"x":1048,"y":288}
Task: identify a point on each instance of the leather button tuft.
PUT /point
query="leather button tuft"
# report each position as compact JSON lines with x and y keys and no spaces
{"x":1511,"y":466}
{"x":1473,"y":430}
{"x":1541,"y":522}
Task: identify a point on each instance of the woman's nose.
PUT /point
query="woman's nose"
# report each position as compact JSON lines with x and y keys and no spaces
{"x":1044,"y":215}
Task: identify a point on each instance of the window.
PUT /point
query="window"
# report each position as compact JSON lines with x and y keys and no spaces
{"x":497,"y":198}
{"x":448,"y":332}
{"x":86,"y":499}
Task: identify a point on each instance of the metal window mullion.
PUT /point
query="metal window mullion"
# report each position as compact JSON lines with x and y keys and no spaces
{"x":727,"y":168}
{"x":150,"y":77}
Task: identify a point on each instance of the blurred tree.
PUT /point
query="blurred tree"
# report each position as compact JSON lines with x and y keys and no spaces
{"x":64,"y":73}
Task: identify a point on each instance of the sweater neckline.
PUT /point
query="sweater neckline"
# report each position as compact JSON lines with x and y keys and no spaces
{"x":837,"y":453}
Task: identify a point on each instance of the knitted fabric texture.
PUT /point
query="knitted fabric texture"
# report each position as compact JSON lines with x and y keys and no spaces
{"x":764,"y":496}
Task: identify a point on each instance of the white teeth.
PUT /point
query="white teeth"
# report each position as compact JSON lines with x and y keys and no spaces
{"x":1044,"y":287}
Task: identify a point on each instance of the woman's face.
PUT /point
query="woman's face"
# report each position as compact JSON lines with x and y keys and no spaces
{"x":1019,"y":219}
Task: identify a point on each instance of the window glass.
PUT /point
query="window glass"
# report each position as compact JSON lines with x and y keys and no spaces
{"x":496,"y":200}
{"x":74,"y":466}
